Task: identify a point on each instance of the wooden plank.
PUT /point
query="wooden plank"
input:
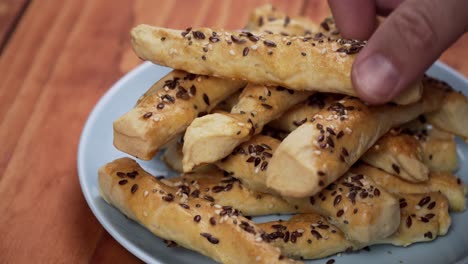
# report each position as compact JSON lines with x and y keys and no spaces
{"x":108,"y":250}
{"x":11,"y":12}
{"x":44,"y":216}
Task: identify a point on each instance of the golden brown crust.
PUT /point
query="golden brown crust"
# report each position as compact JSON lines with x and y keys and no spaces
{"x":377,"y":218}
{"x":357,"y":205}
{"x":315,"y":237}
{"x":439,"y":147}
{"x":307,"y":236}
{"x":398,"y":154}
{"x":223,"y":189}
{"x":423,"y":218}
{"x":322,"y":64}
{"x":172,"y":155}
{"x":301,"y":113}
{"x":452,"y":115}
{"x":449,"y":185}
{"x":158,"y":207}
{"x":338,"y":136}
{"x":165,"y":111}
{"x":249,"y":161}
{"x":212,"y":137}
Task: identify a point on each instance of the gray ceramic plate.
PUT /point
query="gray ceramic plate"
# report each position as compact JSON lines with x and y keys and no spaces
{"x":96,"y":149}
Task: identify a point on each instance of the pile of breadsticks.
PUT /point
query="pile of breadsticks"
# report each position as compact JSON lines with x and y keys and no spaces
{"x":264,"y":121}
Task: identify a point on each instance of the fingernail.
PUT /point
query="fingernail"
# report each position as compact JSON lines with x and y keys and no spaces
{"x":376,"y":78}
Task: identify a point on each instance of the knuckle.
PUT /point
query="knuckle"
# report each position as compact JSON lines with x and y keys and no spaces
{"x":416,"y":29}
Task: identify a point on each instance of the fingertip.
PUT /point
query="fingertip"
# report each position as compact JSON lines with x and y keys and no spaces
{"x":375,"y":78}
{"x":355,"y":19}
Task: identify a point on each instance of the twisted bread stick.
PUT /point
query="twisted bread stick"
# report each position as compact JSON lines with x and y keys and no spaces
{"x":167,"y":109}
{"x":336,"y":138}
{"x":190,"y":222}
{"x":212,"y":137}
{"x":378,"y":214}
{"x":312,"y":236}
{"x":449,"y":185}
{"x":322,"y":63}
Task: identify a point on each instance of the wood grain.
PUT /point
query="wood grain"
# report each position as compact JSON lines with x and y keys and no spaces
{"x":11,"y":12}
{"x":55,"y":67}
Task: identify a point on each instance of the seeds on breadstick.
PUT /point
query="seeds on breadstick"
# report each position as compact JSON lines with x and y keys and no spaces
{"x":312,"y":150}
{"x":452,"y":115}
{"x":241,"y":162}
{"x":439,"y":147}
{"x":228,"y":191}
{"x":326,"y":66}
{"x":167,"y":109}
{"x":449,"y":185}
{"x":379,"y":210}
{"x":172,"y":216}
{"x":307,"y":236}
{"x":398,"y":154}
{"x":316,"y":237}
{"x":213,"y":137}
{"x":420,"y":223}
{"x":301,"y":113}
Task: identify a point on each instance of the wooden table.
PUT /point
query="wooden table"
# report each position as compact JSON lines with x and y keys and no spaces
{"x":57,"y":58}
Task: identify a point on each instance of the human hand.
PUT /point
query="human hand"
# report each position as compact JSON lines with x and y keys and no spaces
{"x":402,"y":48}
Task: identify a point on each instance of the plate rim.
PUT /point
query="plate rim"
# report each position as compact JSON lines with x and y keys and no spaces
{"x":86,"y":132}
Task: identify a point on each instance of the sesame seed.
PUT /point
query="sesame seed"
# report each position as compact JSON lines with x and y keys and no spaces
{"x":122,"y":182}
{"x":232,"y":52}
{"x":396,"y":168}
{"x":134,"y":188}
{"x":340,"y":213}
{"x":245,"y":52}
{"x":409,"y":222}
{"x":269,"y":43}
{"x":212,"y":221}
{"x":206,"y":99}
{"x":428,"y":235}
{"x":197,"y":218}
{"x":254,"y":47}
{"x":147,"y":115}
{"x":431,"y":205}
{"x":424,"y":201}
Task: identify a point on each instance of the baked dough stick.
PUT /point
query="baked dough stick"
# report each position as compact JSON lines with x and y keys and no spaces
{"x":168,"y":110}
{"x":423,"y":218}
{"x":307,"y":236}
{"x":213,"y":137}
{"x":301,"y":113}
{"x":225,"y":190}
{"x":449,"y":185}
{"x":378,"y":214}
{"x":312,"y":236}
{"x":318,"y":152}
{"x":452,"y":115}
{"x":267,"y":17}
{"x":439,"y":147}
{"x":440,"y":151}
{"x":248,"y":162}
{"x":356,"y":205}
{"x":172,"y":155}
{"x":192,"y":223}
{"x":320,"y":64}
{"x":398,"y":154}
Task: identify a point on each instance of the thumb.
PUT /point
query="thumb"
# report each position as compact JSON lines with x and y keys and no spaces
{"x":405,"y":45}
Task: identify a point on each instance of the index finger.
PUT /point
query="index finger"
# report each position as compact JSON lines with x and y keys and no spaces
{"x":356,"y":19}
